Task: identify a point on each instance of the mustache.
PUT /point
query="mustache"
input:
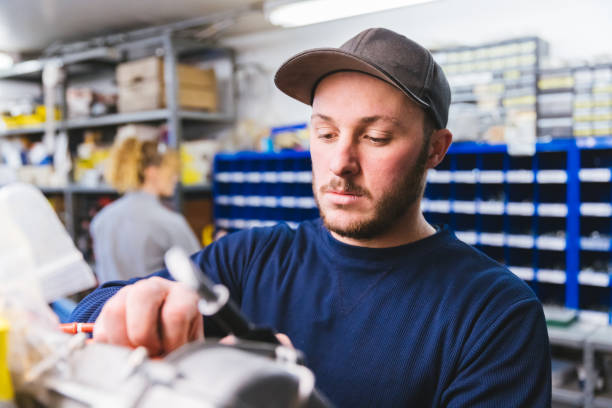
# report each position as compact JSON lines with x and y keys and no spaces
{"x":343,"y":186}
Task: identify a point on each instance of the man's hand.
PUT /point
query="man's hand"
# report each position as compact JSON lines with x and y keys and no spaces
{"x":156,"y":313}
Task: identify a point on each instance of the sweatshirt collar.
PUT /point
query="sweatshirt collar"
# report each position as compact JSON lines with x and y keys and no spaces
{"x":388,"y":254}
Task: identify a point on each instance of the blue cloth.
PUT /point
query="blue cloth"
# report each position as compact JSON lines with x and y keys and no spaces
{"x":431,"y":323}
{"x":63,"y":308}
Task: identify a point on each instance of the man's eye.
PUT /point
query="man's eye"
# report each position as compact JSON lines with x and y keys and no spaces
{"x":377,"y":140}
{"x":326,"y":136}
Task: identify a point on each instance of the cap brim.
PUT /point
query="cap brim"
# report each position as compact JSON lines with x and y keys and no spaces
{"x":299,"y":76}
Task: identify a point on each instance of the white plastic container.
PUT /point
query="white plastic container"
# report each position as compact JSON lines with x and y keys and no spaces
{"x":34,"y":245}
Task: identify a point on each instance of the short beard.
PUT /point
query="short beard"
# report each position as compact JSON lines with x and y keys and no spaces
{"x":393,"y":204}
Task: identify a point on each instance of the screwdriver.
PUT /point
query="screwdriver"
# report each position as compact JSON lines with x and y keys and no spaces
{"x":215,"y":301}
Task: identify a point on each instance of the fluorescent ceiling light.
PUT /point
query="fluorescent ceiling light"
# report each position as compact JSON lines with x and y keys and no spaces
{"x":293,"y":13}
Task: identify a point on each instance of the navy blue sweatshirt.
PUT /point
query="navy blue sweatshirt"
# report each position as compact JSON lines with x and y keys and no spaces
{"x":434,"y":323}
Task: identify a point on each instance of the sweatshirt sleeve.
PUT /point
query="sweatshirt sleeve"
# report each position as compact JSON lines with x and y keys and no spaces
{"x":507,"y":364}
{"x":226,"y":261}
{"x":90,"y":307}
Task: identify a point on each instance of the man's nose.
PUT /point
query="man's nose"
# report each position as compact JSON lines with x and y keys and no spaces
{"x":344,"y":161}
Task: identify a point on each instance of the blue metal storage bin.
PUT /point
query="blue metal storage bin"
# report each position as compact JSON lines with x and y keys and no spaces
{"x":547,"y":216}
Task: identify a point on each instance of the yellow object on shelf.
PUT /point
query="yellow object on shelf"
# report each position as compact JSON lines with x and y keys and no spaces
{"x":10,"y":122}
{"x":189,"y":175}
{"x":208,"y":234}
{"x":35,"y":119}
{"x":6,"y":387}
{"x":196,"y":161}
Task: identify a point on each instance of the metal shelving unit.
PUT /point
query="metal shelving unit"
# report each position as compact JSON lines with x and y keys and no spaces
{"x":599,"y":342}
{"x":22,"y":131}
{"x":30,"y":70}
{"x":568,"y":397}
{"x":201,"y":188}
{"x":206,"y":116}
{"x":160,"y":115}
{"x":53,"y":190}
{"x":116,"y":119}
{"x":573,"y":337}
{"x":78,"y":189}
{"x":590,"y":341}
{"x":84,"y":58}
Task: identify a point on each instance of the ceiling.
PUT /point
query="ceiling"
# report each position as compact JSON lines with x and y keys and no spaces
{"x":32,"y":25}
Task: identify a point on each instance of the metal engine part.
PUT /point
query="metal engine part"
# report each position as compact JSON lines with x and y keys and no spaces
{"x":198,"y":374}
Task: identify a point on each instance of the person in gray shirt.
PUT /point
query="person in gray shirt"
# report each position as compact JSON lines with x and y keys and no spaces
{"x":131,"y":235}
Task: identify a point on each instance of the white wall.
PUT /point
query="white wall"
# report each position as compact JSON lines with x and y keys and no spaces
{"x":575,"y":29}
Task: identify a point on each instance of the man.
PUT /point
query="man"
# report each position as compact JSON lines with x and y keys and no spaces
{"x":388,"y":310}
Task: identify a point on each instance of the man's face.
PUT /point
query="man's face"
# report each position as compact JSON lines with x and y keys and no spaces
{"x":368,"y":154}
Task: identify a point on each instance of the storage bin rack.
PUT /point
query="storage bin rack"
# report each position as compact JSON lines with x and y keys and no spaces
{"x":259,"y":189}
{"x":576,"y":101}
{"x":547,"y":216}
{"x":494,"y":86}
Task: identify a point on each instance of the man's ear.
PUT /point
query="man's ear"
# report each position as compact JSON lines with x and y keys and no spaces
{"x":439,"y":143}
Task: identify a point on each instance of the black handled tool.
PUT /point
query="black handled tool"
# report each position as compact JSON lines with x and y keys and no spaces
{"x":215,"y":301}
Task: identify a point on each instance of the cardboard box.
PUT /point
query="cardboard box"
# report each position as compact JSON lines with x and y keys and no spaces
{"x":141,"y":86}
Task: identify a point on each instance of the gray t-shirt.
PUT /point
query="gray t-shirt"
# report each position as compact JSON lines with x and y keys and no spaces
{"x":132,"y":234}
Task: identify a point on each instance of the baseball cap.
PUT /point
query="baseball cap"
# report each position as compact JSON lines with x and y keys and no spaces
{"x":379,"y":52}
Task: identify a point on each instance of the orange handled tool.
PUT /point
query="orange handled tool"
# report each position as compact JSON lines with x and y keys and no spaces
{"x":75,"y":327}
